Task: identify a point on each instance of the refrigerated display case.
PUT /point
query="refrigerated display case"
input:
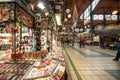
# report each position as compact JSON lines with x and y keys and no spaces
{"x":52,"y":67}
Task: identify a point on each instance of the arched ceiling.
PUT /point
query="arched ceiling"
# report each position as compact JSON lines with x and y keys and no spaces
{"x":107,"y":6}
{"x":104,"y":6}
{"x":81,"y":5}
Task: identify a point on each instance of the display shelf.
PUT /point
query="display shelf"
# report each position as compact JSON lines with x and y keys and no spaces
{"x":5,"y":41}
{"x":5,"y":55}
{"x":5,"y":38}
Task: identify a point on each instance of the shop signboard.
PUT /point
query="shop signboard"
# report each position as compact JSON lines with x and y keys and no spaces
{"x":24,"y":17}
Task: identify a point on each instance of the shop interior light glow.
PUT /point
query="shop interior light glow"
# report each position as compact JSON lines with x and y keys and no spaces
{"x":67,"y":10}
{"x":41,"y":6}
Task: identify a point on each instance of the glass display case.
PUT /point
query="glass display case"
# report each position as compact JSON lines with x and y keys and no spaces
{"x":52,"y":67}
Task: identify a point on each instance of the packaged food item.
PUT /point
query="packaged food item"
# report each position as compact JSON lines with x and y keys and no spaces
{"x":19,"y":78}
{"x":60,"y":73}
{"x":56,"y":77}
{"x":47,"y":62}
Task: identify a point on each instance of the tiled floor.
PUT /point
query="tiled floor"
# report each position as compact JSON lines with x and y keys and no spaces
{"x":91,"y":63}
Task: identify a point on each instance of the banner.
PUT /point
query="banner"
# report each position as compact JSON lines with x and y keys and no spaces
{"x":75,"y":14}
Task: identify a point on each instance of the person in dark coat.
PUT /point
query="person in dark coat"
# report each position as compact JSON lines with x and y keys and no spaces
{"x":73,"y":42}
{"x":118,"y":52}
{"x":80,"y":43}
{"x":62,"y":40}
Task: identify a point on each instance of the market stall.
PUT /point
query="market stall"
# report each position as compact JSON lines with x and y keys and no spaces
{"x":19,"y":60}
{"x":12,"y":18}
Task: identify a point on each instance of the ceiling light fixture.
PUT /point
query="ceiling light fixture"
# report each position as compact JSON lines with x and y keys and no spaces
{"x":41,"y":6}
{"x":69,"y":15}
{"x":67,"y":10}
{"x":65,"y":19}
{"x":114,"y":12}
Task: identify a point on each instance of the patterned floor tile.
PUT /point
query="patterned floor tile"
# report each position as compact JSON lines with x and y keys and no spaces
{"x":115,"y":73}
{"x":91,"y":63}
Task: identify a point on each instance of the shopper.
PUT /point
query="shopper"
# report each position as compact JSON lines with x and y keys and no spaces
{"x":67,"y":41}
{"x":83,"y":42}
{"x":48,"y":46}
{"x":118,"y":51}
{"x":73,"y":42}
{"x":80,"y":43}
{"x":62,"y":40}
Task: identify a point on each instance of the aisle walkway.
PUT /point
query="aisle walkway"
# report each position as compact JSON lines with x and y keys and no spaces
{"x":91,"y":63}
